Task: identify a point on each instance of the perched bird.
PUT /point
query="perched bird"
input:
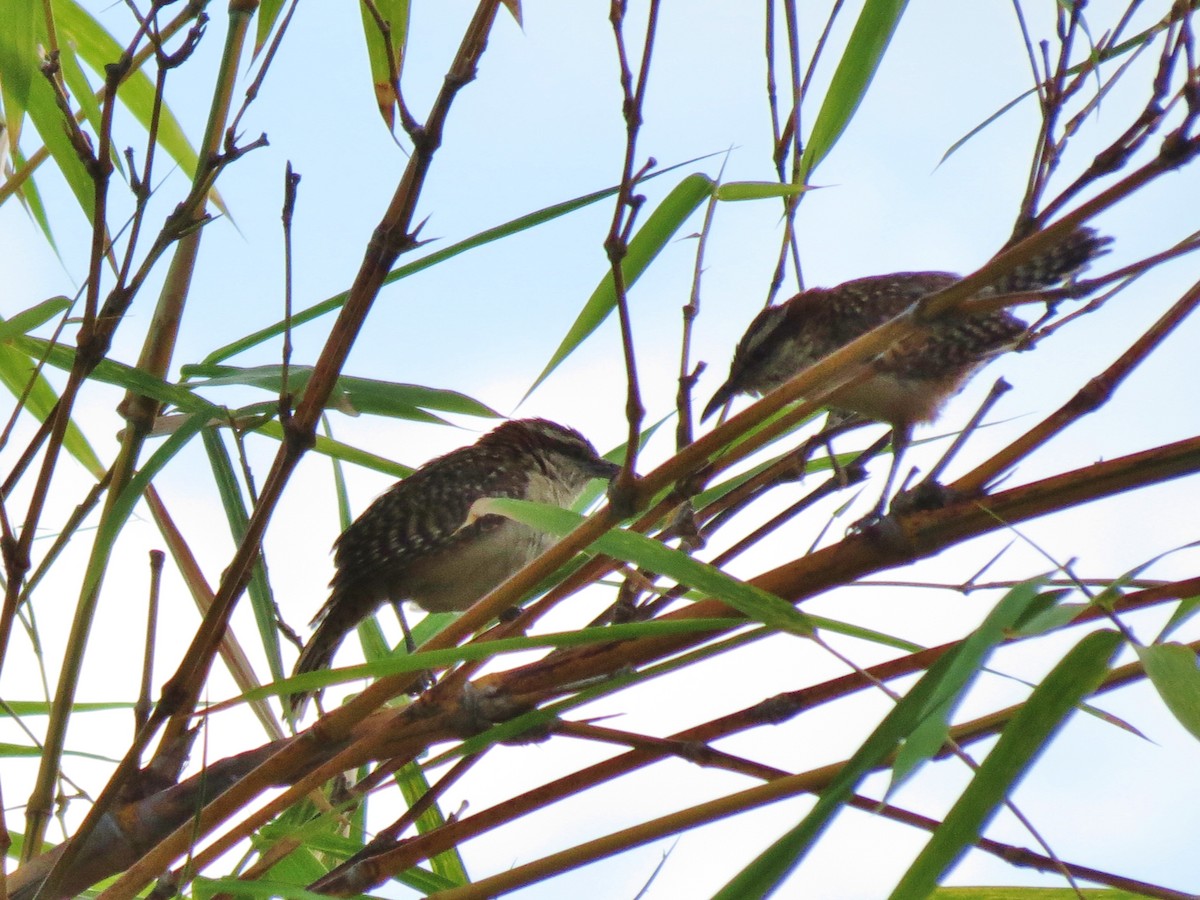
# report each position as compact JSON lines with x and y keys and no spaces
{"x":419,"y":541}
{"x":911,"y":381}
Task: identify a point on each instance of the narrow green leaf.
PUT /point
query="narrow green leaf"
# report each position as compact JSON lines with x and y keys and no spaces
{"x":757,"y":190}
{"x":268,"y":13}
{"x":764,"y":874}
{"x":335,"y":302}
{"x":262,"y":600}
{"x":1047,"y":615}
{"x":82,"y":92}
{"x":398,"y":663}
{"x":380,"y":46}
{"x":123,"y":504}
{"x":34,"y":317}
{"x":16,"y":370}
{"x":1186,"y":609}
{"x":42,"y":707}
{"x":47,"y":118}
{"x":344,"y":452}
{"x":930,"y":736}
{"x":97,"y":48}
{"x":18,"y":64}
{"x":751,"y":601}
{"x":110,"y":371}
{"x":1136,"y":43}
{"x":860,"y":61}
{"x":415,"y":787}
{"x":661,"y":226}
{"x":487,"y":236}
{"x":1021,"y":742}
{"x":31,"y":199}
{"x":18,"y":751}
{"x":351,"y":394}
{"x":1172,"y":671}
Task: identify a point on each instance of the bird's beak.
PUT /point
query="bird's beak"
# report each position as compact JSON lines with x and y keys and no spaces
{"x":720,"y":398}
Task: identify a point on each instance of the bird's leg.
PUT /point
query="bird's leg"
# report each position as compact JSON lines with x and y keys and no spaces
{"x":929,"y":493}
{"x":837,"y":421}
{"x":901,"y":438}
{"x":425,"y":680}
{"x":409,"y":644}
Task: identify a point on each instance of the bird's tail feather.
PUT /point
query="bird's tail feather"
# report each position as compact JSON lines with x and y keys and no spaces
{"x":335,"y":621}
{"x":1065,"y":259}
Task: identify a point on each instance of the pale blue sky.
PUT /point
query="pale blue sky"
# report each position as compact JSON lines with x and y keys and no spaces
{"x":541,"y":126}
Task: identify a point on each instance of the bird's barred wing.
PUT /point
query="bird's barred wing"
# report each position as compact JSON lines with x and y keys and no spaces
{"x":425,"y":513}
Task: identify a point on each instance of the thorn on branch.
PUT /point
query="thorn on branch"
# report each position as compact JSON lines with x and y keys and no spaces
{"x":233,"y":152}
{"x":140,"y":190}
{"x":190,"y":42}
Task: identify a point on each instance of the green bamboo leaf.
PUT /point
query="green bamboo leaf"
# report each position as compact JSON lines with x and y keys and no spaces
{"x":82,"y":91}
{"x":415,"y":787}
{"x":1047,"y":614}
{"x":340,"y":451}
{"x":40,"y":105}
{"x":860,"y":61}
{"x":1172,"y":671}
{"x":339,"y":481}
{"x":662,"y":225}
{"x":34,"y":317}
{"x":268,"y":13}
{"x":751,"y":601}
{"x":262,"y":600}
{"x":764,"y":874}
{"x":42,"y":707}
{"x":399,"y":663}
{"x":757,"y":190}
{"x":928,"y":738}
{"x":351,"y":394}
{"x":487,"y":236}
{"x":18,"y":64}
{"x":112,"y":372}
{"x":380,"y":47}
{"x":122,"y":506}
{"x":98,"y":48}
{"x":31,"y":199}
{"x":1021,"y":742}
{"x":19,"y":751}
{"x":335,"y":302}
{"x":16,"y":370}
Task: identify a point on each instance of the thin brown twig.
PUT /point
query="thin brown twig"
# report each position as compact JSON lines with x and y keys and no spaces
{"x":291,"y":181}
{"x":1088,"y":399}
{"x":628,"y":204}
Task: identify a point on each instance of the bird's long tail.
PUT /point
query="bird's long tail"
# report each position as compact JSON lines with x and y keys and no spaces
{"x":334,"y":622}
{"x":1065,"y":259}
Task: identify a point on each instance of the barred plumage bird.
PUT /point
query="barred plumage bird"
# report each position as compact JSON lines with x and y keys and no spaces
{"x":419,"y":541}
{"x":911,"y":381}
